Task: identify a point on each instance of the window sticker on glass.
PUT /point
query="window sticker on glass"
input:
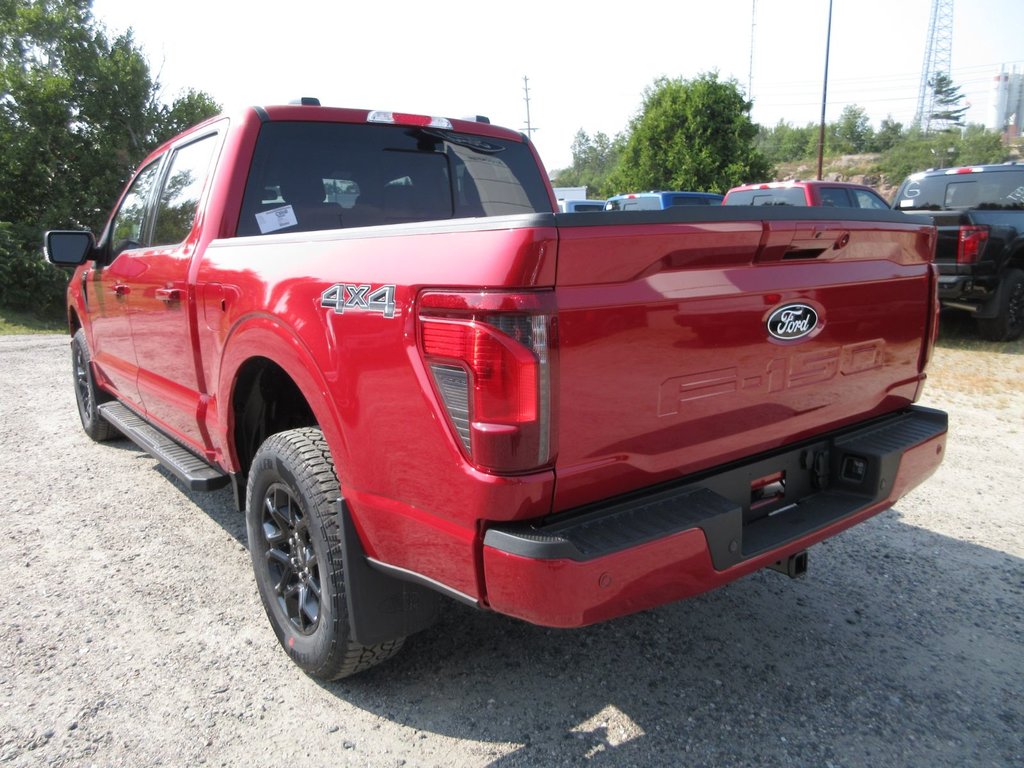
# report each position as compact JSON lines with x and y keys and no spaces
{"x":275,"y":219}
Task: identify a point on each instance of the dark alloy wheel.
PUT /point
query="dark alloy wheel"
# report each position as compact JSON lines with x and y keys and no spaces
{"x":86,"y":393}
{"x":291,"y":560}
{"x":295,"y":543}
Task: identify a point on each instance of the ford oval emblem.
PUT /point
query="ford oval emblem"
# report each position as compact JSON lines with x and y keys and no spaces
{"x":793,"y":321}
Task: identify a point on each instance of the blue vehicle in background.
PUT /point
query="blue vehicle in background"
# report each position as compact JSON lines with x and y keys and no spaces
{"x":656,"y":201}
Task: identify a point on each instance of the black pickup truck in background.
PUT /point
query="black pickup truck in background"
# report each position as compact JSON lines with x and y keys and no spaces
{"x":979,"y":214}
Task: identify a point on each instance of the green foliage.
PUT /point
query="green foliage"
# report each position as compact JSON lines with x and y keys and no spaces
{"x":889,"y":134}
{"x":918,"y":151}
{"x":690,"y":134}
{"x":785,"y":143}
{"x":593,"y":161}
{"x":948,"y":115}
{"x":28,"y":283}
{"x":902,"y":152}
{"x":852,"y":134}
{"x":78,"y":111}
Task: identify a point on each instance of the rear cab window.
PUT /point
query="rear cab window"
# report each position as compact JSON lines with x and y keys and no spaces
{"x":777,"y":196}
{"x":309,"y":176}
{"x":634,"y":203}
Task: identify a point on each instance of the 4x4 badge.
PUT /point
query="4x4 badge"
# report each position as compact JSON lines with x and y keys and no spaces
{"x":792,"y":321}
{"x":365,"y":298}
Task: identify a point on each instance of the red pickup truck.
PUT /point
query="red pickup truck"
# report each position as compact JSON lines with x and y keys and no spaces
{"x":421,"y":380}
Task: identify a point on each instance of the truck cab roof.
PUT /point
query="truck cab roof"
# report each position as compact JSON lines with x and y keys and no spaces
{"x":991,"y":187}
{"x":657,"y":200}
{"x":831,"y":194}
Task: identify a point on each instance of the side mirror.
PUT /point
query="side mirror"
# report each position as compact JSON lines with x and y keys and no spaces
{"x":69,"y":248}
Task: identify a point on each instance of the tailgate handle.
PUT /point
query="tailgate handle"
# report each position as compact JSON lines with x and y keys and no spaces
{"x":784,"y":240}
{"x":821,"y":240}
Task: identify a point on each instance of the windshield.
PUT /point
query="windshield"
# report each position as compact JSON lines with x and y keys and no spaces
{"x":987,"y":189}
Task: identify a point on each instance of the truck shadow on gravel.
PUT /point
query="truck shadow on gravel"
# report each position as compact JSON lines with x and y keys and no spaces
{"x":901,"y":647}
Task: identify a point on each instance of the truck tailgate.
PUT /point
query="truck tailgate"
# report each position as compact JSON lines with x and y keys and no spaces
{"x":667,"y":362}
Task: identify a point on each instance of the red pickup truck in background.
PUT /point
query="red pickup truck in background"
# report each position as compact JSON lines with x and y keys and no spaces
{"x":420,"y":380}
{"x":829,"y":194}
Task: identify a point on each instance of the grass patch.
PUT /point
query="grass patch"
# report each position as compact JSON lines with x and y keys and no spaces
{"x":13,"y":322}
{"x":957,"y":331}
{"x":970,"y":368}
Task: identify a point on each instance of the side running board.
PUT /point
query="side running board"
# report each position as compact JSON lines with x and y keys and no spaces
{"x":194,"y":472}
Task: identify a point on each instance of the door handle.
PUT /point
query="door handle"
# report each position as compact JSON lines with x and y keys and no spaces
{"x":168,"y":294}
{"x":120,"y":289}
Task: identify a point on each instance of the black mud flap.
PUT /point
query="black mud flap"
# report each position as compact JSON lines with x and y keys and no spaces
{"x":381,"y":607}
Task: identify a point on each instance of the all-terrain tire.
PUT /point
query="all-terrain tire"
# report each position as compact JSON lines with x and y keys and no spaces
{"x":1008,"y":324}
{"x":87,"y":394}
{"x":295,"y":543}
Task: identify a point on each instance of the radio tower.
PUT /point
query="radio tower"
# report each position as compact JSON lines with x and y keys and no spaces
{"x":938,"y":56}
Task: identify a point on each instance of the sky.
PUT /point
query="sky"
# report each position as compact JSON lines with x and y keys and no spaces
{"x":587,"y":64}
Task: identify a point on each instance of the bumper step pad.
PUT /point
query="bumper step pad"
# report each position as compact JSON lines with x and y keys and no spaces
{"x":826,"y":480}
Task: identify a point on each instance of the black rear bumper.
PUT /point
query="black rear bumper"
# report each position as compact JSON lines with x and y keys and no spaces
{"x":746,"y":509}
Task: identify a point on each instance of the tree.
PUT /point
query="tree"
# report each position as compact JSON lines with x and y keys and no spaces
{"x":78,"y":111}
{"x":593,"y":160}
{"x":690,"y":134}
{"x":888,"y":135}
{"x":852,"y":133}
{"x":785,"y":143}
{"x":947,"y":114}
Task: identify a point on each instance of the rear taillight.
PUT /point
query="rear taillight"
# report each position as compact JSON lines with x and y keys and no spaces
{"x":489,"y":355}
{"x":971,"y":244}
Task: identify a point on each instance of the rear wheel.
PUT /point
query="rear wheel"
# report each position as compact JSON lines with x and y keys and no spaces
{"x":295,"y":544}
{"x":86,"y":393}
{"x":1008,"y":324}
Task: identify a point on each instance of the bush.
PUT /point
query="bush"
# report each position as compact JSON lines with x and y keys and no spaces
{"x":29,"y":283}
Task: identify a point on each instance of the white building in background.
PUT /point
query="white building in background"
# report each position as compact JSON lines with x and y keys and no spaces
{"x":1007,"y":103}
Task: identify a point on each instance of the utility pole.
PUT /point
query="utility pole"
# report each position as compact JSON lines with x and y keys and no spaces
{"x":824,"y":94}
{"x":526,"y":91}
{"x":750,"y":72}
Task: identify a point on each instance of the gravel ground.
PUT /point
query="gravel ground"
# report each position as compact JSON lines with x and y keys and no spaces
{"x":131,"y":632}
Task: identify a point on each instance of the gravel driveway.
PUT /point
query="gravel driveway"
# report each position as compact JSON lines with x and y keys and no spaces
{"x":131,"y":632}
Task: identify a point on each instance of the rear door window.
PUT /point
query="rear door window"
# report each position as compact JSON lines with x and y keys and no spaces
{"x":835,"y":197}
{"x":865,"y":199}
